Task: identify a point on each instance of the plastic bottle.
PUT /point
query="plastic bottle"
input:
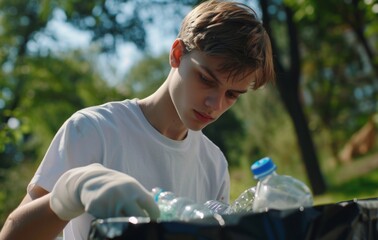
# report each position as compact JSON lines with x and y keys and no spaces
{"x":244,"y":203}
{"x":276,"y":191}
{"x":217,"y":207}
{"x":178,"y":208}
{"x":194,"y":211}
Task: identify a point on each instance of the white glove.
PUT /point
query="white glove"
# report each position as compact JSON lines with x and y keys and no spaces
{"x":101,"y":192}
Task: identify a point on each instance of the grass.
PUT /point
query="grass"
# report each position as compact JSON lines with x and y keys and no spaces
{"x":361,"y":187}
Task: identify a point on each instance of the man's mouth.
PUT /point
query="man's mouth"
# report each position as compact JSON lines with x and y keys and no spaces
{"x":203,"y":117}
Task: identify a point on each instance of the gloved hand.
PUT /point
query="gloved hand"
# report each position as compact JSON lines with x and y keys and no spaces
{"x":101,"y":192}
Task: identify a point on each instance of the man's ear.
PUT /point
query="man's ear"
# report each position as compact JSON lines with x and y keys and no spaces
{"x":176,"y":53}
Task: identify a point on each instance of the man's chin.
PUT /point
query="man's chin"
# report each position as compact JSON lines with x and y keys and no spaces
{"x":198,"y":128}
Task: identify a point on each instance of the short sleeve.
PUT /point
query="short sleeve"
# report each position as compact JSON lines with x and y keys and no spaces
{"x":77,"y":143}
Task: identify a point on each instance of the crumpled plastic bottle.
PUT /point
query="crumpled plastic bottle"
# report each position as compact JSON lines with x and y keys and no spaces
{"x":274,"y":191}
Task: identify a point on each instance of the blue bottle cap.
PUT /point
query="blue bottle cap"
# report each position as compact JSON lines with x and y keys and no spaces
{"x":263,"y":167}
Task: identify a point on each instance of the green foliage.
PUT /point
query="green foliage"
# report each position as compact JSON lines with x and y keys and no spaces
{"x":339,"y":73}
{"x":53,"y":89}
{"x":228,"y":133}
{"x":147,"y":75}
{"x":13,"y":190}
{"x":268,"y":131}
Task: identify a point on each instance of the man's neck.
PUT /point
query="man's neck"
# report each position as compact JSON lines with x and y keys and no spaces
{"x":159,"y":110}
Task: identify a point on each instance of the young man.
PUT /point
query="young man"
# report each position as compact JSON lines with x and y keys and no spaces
{"x":105,"y":159}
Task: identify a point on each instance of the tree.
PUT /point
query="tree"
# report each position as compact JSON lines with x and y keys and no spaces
{"x":328,"y":47}
{"x":288,"y":84}
{"x":339,"y":73}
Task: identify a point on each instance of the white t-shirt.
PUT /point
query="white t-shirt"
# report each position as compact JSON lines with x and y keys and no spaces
{"x":118,"y":136}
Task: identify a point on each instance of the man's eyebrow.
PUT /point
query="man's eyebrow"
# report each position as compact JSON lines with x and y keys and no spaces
{"x":208,"y":71}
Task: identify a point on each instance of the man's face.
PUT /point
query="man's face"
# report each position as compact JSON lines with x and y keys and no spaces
{"x":200,"y":92}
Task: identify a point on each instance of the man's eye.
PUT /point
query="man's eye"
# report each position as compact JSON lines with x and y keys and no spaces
{"x":232,"y":95}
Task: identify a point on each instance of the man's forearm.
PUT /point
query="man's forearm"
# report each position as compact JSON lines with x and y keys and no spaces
{"x":34,"y":220}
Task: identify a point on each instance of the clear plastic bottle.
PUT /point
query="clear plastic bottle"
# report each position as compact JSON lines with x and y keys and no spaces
{"x":276,"y":191}
{"x":170,"y":206}
{"x":244,"y":203}
{"x":217,"y":207}
{"x":195,"y":211}
{"x":178,"y":208}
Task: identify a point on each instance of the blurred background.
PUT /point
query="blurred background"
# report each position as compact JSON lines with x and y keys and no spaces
{"x":318,"y":121}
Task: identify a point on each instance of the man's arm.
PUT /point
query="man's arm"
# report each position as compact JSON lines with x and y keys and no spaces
{"x":101,"y":192}
{"x":33,"y":219}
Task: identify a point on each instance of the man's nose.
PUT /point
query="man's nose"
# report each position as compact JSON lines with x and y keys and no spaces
{"x":214,"y":101}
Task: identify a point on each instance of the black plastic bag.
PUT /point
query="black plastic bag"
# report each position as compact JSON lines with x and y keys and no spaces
{"x":346,"y":220}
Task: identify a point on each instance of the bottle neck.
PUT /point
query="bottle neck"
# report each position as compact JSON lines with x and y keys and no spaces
{"x":266,"y":176}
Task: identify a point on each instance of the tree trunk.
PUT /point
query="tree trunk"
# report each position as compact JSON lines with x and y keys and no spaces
{"x":288,"y":86}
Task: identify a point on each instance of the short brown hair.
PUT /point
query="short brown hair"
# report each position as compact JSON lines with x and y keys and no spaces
{"x":230,"y":30}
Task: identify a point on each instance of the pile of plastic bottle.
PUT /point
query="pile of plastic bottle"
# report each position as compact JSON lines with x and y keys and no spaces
{"x":273,"y":191}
